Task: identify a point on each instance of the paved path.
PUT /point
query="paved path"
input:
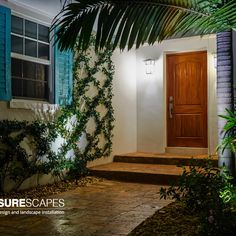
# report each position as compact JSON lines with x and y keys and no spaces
{"x":106,"y":208}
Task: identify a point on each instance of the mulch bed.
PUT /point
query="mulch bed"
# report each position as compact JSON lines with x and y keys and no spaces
{"x":43,"y":191}
{"x":172,"y":220}
{"x":176,"y":220}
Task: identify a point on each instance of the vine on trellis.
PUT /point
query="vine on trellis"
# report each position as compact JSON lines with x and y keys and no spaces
{"x":25,"y":150}
{"x":85,"y":126}
{"x":89,"y":119}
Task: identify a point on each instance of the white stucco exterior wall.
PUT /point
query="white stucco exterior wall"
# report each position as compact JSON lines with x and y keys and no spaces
{"x":151,"y":92}
{"x":139,"y":102}
{"x":124,"y":104}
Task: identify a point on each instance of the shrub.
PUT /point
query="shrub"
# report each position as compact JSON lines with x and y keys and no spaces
{"x":208,"y":192}
{"x":25,"y":150}
{"x":229,"y":130}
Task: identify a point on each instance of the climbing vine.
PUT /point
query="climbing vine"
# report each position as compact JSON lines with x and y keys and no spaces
{"x":86,"y":125}
{"x":25,"y":150}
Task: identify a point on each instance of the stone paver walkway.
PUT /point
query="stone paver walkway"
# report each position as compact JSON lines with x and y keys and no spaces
{"x":106,"y":208}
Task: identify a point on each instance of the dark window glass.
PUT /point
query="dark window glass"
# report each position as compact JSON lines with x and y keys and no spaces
{"x":30,"y":48}
{"x":43,"y":52}
{"x":41,"y":72}
{"x":29,"y":89}
{"x":16,"y":67}
{"x":40,"y":90}
{"x":34,"y":89}
{"x":31,"y":43}
{"x":30,"y":29}
{"x":17,"y":25}
{"x":17,"y":87}
{"x":30,"y":81}
{"x":29,"y":70}
{"x":17,"y":44}
{"x":43,"y":33}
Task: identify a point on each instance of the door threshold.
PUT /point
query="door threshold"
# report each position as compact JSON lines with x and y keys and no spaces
{"x":186,"y":150}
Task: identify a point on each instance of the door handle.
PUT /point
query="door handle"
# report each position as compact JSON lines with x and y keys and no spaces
{"x":171,"y":106}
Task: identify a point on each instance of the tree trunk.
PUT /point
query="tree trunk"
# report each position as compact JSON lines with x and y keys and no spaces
{"x":224,"y":91}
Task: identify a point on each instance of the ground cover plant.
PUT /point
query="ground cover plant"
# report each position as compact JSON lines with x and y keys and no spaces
{"x":204,"y":204}
{"x":205,"y":197}
{"x":25,"y":151}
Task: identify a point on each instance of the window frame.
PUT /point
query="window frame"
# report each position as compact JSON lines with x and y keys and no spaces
{"x":37,"y":60}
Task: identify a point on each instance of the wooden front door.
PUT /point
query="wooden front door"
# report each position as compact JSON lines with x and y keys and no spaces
{"x":187,"y":99}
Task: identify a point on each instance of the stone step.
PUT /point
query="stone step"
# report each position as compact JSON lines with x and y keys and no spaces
{"x":137,"y":172}
{"x":164,"y":159}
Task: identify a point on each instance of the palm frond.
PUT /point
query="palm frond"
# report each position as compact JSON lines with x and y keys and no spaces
{"x":134,"y":22}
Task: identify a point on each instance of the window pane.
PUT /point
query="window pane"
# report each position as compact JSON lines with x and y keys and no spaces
{"x":16,"y":67}
{"x":17,"y":89}
{"x":40,"y":91}
{"x":30,"y":48}
{"x":17,"y":25}
{"x":34,"y":89}
{"x":30,"y":29}
{"x":28,"y":89}
{"x":42,"y":72}
{"x":29,"y":70}
{"x":17,"y":44}
{"x":32,"y":83}
{"x":43,"y":52}
{"x":43,"y":33}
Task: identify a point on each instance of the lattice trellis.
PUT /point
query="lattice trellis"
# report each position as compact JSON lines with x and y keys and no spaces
{"x":91,"y":112}
{"x":93,"y":74}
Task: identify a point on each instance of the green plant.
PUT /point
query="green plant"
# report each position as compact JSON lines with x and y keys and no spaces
{"x":194,"y":183}
{"x":206,"y":190}
{"x":19,"y":162}
{"x":91,"y":107}
{"x":229,"y":139}
{"x":25,"y":150}
{"x":228,"y":192}
{"x":134,"y":22}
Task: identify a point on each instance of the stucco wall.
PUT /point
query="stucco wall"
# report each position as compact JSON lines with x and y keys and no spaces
{"x":13,"y":113}
{"x":151,"y":92}
{"x":139,"y":102}
{"x":125,"y":105}
{"x":124,"y":102}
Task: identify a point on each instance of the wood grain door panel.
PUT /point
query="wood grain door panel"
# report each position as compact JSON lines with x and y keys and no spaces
{"x":187,"y":84}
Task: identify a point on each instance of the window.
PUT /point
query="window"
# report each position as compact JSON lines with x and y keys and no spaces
{"x":30,"y":59}
{"x":29,"y":79}
{"x":27,"y":70}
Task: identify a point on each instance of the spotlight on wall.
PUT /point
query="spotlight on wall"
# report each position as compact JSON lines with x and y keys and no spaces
{"x":149,"y":64}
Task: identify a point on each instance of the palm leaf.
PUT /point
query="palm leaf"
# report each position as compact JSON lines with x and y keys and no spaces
{"x":134,"y":22}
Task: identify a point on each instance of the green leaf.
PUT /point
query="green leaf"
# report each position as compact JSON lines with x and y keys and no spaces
{"x":137,"y":21}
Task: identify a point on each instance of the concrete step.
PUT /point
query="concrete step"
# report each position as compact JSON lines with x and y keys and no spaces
{"x":164,"y":159}
{"x":136,"y":172}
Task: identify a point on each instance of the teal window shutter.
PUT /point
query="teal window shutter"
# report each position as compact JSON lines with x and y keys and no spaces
{"x":5,"y":54}
{"x":63,"y":66}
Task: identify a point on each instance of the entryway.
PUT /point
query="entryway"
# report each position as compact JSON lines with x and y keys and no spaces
{"x":149,"y":168}
{"x":187,"y":99}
